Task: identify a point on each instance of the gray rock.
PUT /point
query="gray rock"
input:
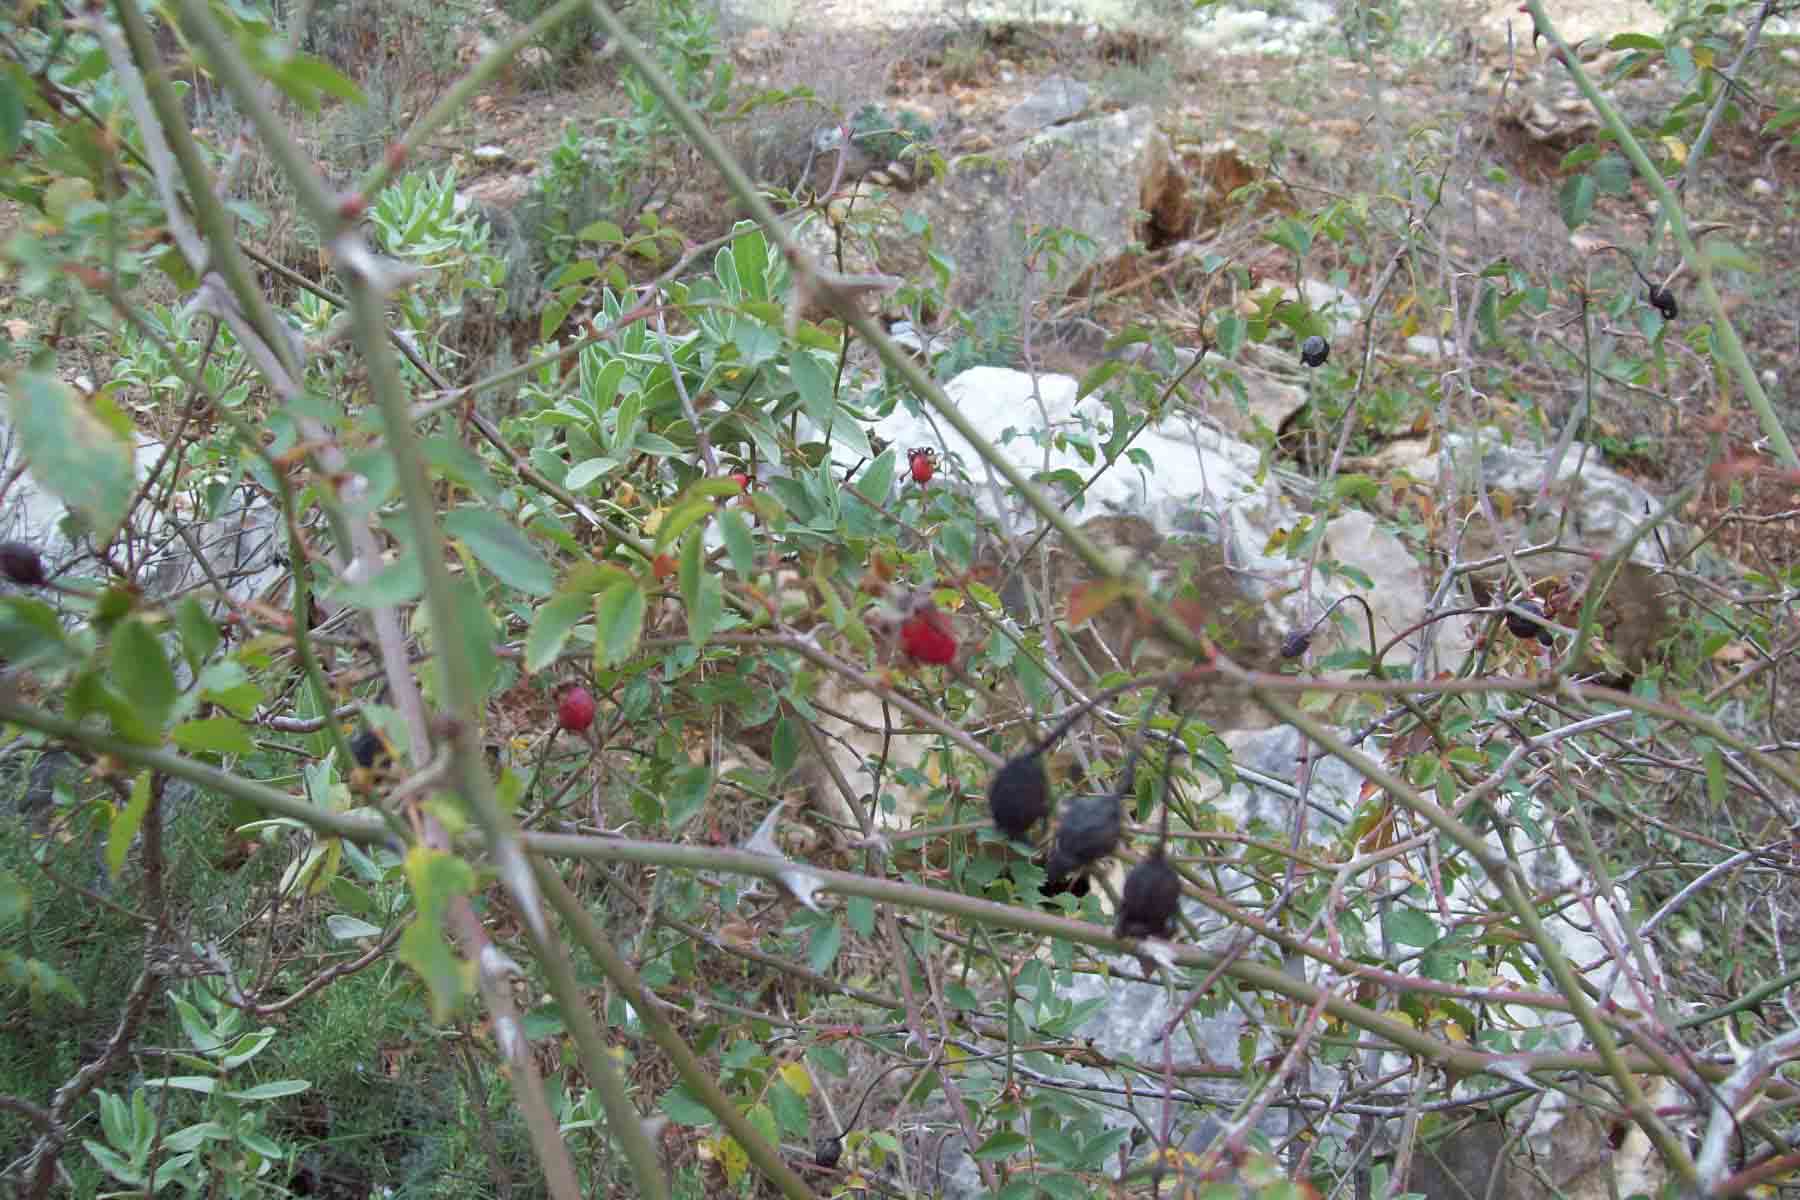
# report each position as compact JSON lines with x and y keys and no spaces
{"x":1057,"y":99}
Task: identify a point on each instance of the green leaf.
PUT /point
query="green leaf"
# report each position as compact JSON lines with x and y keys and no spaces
{"x":708,"y":607}
{"x":688,"y":791}
{"x":142,"y":671}
{"x":604,"y":232}
{"x":204,"y":1084}
{"x":1612,"y":176}
{"x":15,"y":899}
{"x":588,"y":470}
{"x":618,"y":623}
{"x":685,"y":1108}
{"x":12,"y":111}
{"x":399,"y":582}
{"x":346,"y":928}
{"x":502,"y":549}
{"x":827,"y":939}
{"x":475,"y":626}
{"x":1097,"y":377}
{"x":1634,"y":41}
{"x":738,"y":542}
{"x":1230,"y":333}
{"x":213,"y":735}
{"x":271,"y":1091}
{"x":679,"y":519}
{"x":77,"y":456}
{"x":1576,"y":201}
{"x":814,"y":386}
{"x":1409,"y":927}
{"x":1003,"y":1144}
{"x":125,"y":823}
{"x":550,"y":629}
{"x":199,"y":632}
{"x":790,"y":1109}
{"x":437,"y":878}
{"x":32,"y":636}
{"x":113,"y":1163}
{"x":305,"y":78}
{"x":784,"y":748}
{"x":877,"y":479}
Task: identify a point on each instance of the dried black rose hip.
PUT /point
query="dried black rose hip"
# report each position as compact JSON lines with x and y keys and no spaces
{"x":1019,"y":796}
{"x":1150,"y":900}
{"x":367,"y":747}
{"x":1522,"y":626}
{"x":1087,"y":834}
{"x":20,"y":563}
{"x":1314,"y":351}
{"x":1296,"y":643}
{"x":1663,"y":301}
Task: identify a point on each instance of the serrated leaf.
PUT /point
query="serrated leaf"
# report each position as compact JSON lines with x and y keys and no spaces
{"x":1576,"y":201}
{"x":877,"y":479}
{"x":12,"y":111}
{"x":827,"y":940}
{"x":685,"y":1108}
{"x":125,"y":824}
{"x":796,"y":1077}
{"x":74,"y":454}
{"x":503,"y":549}
{"x":1409,"y":927}
{"x":618,"y":623}
{"x":397,"y":583}
{"x":551,"y":626}
{"x":213,"y":735}
{"x":436,"y":878}
{"x":738,"y":542}
{"x":142,"y":671}
{"x":679,"y":519}
{"x":1096,"y":378}
{"x":784,"y":748}
{"x":1003,"y":1144}
{"x":604,"y":232}
{"x":199,"y":632}
{"x":688,"y":790}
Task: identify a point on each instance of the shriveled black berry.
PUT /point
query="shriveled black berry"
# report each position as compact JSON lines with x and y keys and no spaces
{"x":1019,"y":796}
{"x":827,"y":1151}
{"x":1150,"y":900}
{"x":1088,"y":833}
{"x":1314,"y":351}
{"x":1663,"y":301}
{"x":20,"y":563}
{"x":1523,"y":626}
{"x":1296,"y":643}
{"x":367,"y":746}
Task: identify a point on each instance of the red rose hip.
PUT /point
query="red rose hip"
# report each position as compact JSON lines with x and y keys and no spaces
{"x":575,"y":711}
{"x":922,"y":462}
{"x":926,"y":637}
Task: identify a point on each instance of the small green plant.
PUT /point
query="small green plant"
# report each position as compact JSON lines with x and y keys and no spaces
{"x":225,"y":1150}
{"x":888,"y":136}
{"x":594,"y":176}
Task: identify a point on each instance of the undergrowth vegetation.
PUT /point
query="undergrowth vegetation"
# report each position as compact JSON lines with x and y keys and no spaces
{"x":494,"y":715}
